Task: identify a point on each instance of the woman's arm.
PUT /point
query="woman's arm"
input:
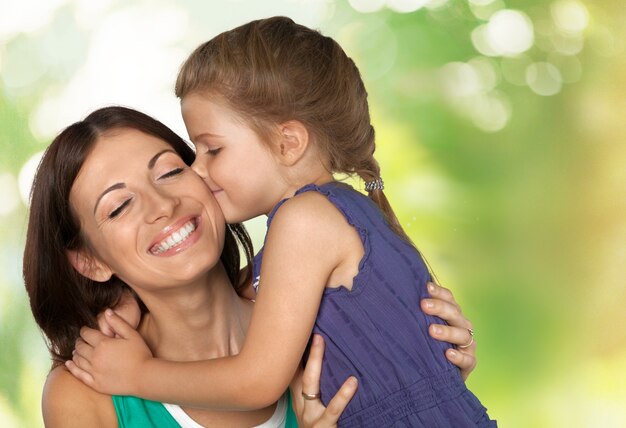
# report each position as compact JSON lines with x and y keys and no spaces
{"x":311,"y":412}
{"x":300,"y":253}
{"x":67,"y":402}
{"x":457,"y":332}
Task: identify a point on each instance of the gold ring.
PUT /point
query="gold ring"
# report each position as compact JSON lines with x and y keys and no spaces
{"x":471,"y":332}
{"x":310,"y":396}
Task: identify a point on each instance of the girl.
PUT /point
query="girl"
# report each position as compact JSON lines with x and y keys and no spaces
{"x":274,"y":110}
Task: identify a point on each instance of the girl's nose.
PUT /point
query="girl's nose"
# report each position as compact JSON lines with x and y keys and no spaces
{"x":200,"y":168}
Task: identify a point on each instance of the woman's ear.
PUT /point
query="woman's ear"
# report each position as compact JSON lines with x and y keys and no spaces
{"x":293,"y":142}
{"x":88,"y":266}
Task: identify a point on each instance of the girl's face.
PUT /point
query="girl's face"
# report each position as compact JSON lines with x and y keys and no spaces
{"x":239,"y":168}
{"x":147,"y":217}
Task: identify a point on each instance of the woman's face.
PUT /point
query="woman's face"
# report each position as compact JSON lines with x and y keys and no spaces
{"x":147,"y":217}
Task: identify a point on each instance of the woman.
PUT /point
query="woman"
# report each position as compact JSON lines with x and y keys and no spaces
{"x":110,"y":191}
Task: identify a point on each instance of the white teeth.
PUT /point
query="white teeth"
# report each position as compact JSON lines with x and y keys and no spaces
{"x":174,"y":239}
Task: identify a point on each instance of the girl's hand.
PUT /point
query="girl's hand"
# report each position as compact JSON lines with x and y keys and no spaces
{"x":127,"y":308}
{"x":458,"y":331}
{"x":109,"y":365}
{"x":311,"y":412}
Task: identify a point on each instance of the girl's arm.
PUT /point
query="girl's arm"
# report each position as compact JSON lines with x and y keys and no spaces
{"x":127,"y":308}
{"x":300,"y":253}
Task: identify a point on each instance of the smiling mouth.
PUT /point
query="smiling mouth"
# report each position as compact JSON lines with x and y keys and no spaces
{"x":176,"y":238}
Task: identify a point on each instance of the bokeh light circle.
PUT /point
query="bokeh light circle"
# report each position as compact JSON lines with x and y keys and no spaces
{"x":481,"y":2}
{"x":367,"y":6}
{"x":491,"y":112}
{"x":544,"y":78}
{"x":570,"y":16}
{"x":10,"y":195}
{"x":481,"y":41}
{"x":510,"y":32}
{"x":460,"y":80}
{"x":406,"y":6}
{"x":27,"y":175}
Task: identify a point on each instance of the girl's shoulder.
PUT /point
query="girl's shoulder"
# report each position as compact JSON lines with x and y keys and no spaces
{"x":68,"y":402}
{"x":313,"y":227}
{"x":307,"y":211}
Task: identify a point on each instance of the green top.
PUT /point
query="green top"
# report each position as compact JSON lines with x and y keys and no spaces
{"x":133,"y":412}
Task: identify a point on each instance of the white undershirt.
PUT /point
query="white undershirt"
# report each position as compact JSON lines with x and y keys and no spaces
{"x":277,"y":420}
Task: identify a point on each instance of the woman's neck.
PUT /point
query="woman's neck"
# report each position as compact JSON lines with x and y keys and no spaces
{"x":200,"y":321}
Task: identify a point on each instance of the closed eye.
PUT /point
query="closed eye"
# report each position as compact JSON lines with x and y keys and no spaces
{"x":171,"y":173}
{"x":213,"y":152}
{"x":117,"y":211}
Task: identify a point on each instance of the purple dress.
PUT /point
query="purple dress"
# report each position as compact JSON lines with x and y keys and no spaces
{"x":378,"y":333}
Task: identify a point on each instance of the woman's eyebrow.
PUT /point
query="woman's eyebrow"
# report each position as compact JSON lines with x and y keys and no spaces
{"x":152,"y":161}
{"x":117,"y":186}
{"x":109,"y":189}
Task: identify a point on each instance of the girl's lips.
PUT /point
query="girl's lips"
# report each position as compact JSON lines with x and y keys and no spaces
{"x":176,"y":237}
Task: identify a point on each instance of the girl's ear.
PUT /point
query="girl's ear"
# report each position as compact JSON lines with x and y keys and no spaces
{"x":293,"y":142}
{"x":89,"y":266}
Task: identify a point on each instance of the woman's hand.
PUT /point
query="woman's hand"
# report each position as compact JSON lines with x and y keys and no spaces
{"x":311,"y":412}
{"x":458,"y":331}
{"x":127,"y":309}
{"x":106,"y":364}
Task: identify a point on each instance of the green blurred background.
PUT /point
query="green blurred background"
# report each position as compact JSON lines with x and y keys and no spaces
{"x":500,"y":130}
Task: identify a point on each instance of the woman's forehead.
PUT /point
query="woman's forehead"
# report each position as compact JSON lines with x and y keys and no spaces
{"x":125,"y":145}
{"x":115,"y":155}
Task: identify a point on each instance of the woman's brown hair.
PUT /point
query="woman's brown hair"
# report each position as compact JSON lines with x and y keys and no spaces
{"x":274,"y":70}
{"x":62,"y":300}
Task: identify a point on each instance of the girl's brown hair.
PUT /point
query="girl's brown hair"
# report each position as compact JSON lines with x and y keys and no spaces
{"x":62,"y":300}
{"x":274,"y":70}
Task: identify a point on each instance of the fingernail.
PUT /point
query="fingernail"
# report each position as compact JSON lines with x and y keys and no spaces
{"x":437,"y":330}
{"x":429,"y":304}
{"x":453,"y":354}
{"x":109,"y":312}
{"x":431,"y":287}
{"x":317,"y":339}
{"x":353,"y":381}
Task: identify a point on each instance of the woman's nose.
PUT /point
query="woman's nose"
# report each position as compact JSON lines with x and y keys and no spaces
{"x":160,"y":204}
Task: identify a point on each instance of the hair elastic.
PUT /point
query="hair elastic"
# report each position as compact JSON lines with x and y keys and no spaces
{"x":374,"y":185}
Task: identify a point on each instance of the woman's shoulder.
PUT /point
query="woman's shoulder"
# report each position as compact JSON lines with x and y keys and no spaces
{"x":67,"y":402}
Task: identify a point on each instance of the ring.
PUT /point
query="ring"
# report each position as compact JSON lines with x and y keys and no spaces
{"x":310,"y":396}
{"x":471,"y":332}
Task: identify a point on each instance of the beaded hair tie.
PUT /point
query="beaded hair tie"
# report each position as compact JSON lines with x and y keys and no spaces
{"x":374,"y":185}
